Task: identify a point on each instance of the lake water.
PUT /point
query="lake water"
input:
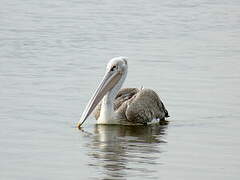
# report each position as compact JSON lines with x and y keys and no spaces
{"x":53,"y":55}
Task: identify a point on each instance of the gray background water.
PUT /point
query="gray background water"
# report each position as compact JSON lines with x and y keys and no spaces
{"x":53,"y":54}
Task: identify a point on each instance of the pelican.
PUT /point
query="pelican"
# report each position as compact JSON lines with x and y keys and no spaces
{"x":129,"y":106}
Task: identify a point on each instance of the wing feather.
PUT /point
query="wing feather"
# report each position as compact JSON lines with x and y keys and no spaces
{"x":144,"y":107}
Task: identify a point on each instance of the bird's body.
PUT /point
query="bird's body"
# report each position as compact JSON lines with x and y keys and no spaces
{"x":136,"y":106}
{"x":126,"y":106}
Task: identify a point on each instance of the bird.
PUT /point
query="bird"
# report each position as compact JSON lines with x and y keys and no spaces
{"x":127,"y":106}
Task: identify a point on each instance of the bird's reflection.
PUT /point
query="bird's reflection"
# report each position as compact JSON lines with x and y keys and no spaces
{"x":122,"y":151}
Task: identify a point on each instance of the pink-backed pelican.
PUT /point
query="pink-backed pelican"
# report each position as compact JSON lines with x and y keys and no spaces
{"x":128,"y":106}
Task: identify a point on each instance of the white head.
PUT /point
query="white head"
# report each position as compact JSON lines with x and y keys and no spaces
{"x":116,"y":72}
{"x":117,"y":64}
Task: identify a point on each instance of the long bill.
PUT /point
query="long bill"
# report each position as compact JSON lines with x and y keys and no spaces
{"x":110,"y":79}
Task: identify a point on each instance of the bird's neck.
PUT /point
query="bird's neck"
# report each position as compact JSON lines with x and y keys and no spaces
{"x":107,"y":114}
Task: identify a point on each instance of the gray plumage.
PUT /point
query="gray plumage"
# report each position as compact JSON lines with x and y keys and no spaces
{"x":136,"y":106}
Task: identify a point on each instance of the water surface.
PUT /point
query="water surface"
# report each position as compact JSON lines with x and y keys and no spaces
{"x":53,"y":54}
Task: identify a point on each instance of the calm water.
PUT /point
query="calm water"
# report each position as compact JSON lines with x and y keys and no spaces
{"x":53,"y":54}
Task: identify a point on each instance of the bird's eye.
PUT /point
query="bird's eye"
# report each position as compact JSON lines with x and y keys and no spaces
{"x":113,"y":68}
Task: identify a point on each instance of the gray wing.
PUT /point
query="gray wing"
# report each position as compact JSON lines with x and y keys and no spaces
{"x":123,"y":95}
{"x":145,"y":106}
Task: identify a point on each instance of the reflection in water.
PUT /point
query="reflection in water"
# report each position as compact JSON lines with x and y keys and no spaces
{"x":124,"y":151}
